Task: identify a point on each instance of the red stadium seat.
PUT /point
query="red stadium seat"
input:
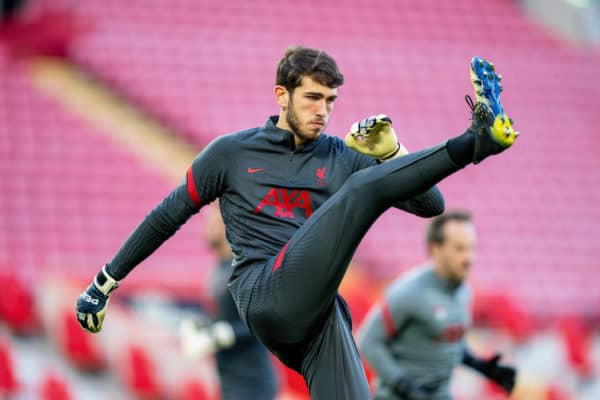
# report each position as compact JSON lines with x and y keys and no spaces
{"x":193,"y":390}
{"x":8,"y":380}
{"x":16,"y":304}
{"x":79,"y":346}
{"x":577,"y":335}
{"x":54,"y":387}
{"x":141,"y":375}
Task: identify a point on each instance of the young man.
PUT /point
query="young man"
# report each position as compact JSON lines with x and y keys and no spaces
{"x":296,"y":203}
{"x":243,"y":364}
{"x":414,"y":338}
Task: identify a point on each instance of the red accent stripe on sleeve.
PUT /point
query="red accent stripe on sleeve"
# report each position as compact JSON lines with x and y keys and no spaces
{"x":279,"y":259}
{"x":388,"y":322}
{"x":192,"y":190}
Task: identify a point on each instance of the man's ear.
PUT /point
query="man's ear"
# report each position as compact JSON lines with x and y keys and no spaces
{"x":432,"y":249}
{"x":282,"y":96}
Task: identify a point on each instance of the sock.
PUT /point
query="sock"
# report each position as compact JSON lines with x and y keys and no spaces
{"x":461,"y":149}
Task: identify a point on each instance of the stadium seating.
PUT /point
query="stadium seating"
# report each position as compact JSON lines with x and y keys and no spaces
{"x":206,"y":70}
{"x":532,"y":210}
{"x":70,"y":196}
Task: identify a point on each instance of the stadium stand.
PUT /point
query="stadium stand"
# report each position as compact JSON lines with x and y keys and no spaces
{"x":183,"y":64}
{"x":205,"y":69}
{"x":56,"y":166}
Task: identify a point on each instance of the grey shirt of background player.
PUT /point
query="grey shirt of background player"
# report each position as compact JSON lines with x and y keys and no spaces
{"x":417,"y":331}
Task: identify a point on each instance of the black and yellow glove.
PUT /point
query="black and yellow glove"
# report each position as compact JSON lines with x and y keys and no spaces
{"x":375,"y":137}
{"x":91,"y":304}
{"x":504,"y":375}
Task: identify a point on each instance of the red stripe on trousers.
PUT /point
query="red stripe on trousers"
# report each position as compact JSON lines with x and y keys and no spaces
{"x":388,"y":322}
{"x":192,"y":191}
{"x":279,"y":259}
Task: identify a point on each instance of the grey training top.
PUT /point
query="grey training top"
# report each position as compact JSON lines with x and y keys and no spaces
{"x":416,"y":332}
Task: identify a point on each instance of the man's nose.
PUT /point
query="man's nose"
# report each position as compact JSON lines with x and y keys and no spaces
{"x":322,"y":108}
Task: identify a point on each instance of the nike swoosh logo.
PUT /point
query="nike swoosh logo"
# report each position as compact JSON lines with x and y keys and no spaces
{"x":253,"y":170}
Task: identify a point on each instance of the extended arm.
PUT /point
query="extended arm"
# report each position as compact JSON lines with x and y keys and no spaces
{"x":204,"y":182}
{"x":158,"y":226}
{"x":374,"y":342}
{"x":382,"y":327}
{"x":162,"y":222}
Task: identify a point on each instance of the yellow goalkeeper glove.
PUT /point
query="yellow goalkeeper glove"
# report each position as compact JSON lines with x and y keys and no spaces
{"x":375,"y":137}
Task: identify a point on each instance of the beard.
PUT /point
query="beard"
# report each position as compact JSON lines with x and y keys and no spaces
{"x":460,"y":275}
{"x":214,"y":243}
{"x":294,"y":123}
{"x":456,"y":274}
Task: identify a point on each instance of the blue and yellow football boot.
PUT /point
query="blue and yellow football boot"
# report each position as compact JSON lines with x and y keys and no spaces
{"x":492,"y":127}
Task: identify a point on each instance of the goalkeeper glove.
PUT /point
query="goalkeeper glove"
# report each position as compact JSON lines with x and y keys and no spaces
{"x":91,"y":304}
{"x":200,"y":338}
{"x":375,"y":137}
{"x":503,"y":375}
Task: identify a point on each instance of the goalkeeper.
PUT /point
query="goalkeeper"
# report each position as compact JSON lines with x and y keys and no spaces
{"x":296,"y":203}
{"x":414,"y":338}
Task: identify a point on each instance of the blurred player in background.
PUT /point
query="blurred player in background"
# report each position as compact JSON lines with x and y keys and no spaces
{"x":296,"y":203}
{"x":243,"y":363}
{"x":414,"y":338}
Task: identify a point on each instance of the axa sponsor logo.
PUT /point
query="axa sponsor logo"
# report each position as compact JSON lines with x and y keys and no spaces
{"x":286,"y":202}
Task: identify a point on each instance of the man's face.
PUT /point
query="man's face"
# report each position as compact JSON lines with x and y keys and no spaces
{"x":456,"y":254}
{"x":307,"y":109}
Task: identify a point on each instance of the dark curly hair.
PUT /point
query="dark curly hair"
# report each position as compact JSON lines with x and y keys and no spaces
{"x":299,"y":62}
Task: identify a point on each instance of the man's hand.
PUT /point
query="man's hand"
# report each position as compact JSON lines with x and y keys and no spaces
{"x":375,"y":137}
{"x":91,"y":304}
{"x":200,"y":337}
{"x":503,"y":375}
